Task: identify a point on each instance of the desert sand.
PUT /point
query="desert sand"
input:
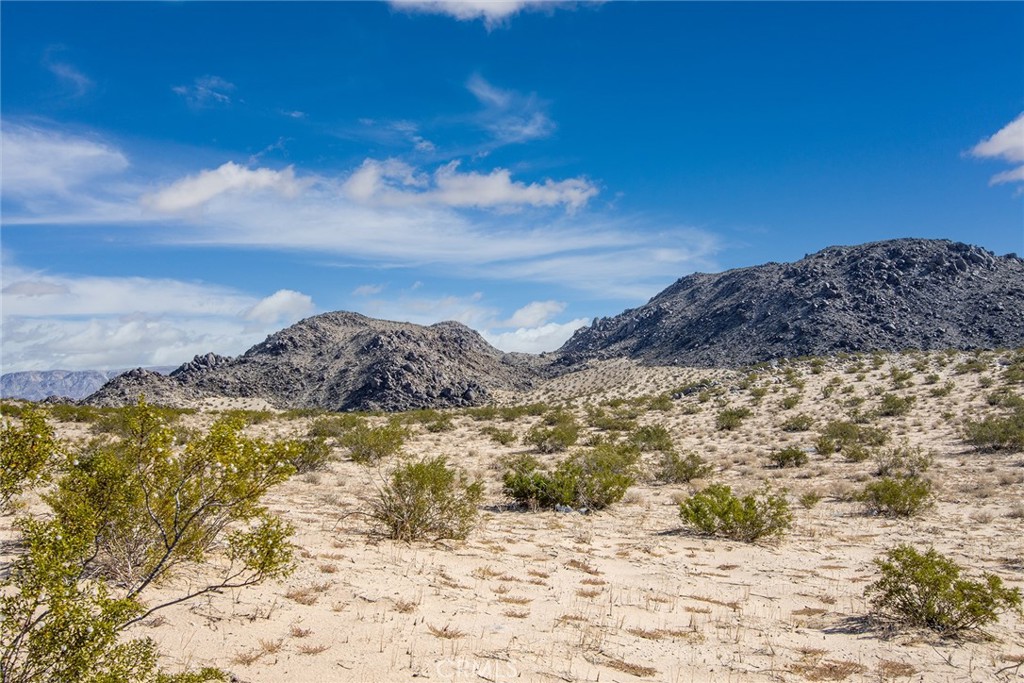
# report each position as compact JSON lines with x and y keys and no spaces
{"x":629,"y":593}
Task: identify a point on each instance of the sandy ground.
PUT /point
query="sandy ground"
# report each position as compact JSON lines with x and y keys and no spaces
{"x":629,"y":593}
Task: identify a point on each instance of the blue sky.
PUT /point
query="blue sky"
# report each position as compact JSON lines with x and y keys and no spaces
{"x":188,"y":177}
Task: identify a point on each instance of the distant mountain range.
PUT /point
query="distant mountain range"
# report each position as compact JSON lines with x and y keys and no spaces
{"x":35,"y":385}
{"x":893,"y":295}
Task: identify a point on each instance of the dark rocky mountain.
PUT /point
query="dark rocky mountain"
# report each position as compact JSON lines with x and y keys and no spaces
{"x":343,"y":361}
{"x":37,"y":385}
{"x":892,"y":295}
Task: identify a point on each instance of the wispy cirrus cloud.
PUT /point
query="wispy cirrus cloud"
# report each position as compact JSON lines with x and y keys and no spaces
{"x":509,"y":116}
{"x":1006,"y":144}
{"x":492,"y":12}
{"x":206,"y":91}
{"x":75,"y":83}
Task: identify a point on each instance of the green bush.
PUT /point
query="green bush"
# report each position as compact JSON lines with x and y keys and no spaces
{"x":790,"y":401}
{"x":651,"y":438}
{"x":903,"y":461}
{"x":997,"y":432}
{"x":850,"y":438}
{"x":927,"y":590}
{"x":894,"y":406}
{"x":371,"y":444}
{"x":334,"y":426}
{"x":798,"y":423}
{"x":307,"y":455}
{"x":791,"y":456}
{"x":427,"y":500}
{"x":896,"y":496}
{"x":502,"y":436}
{"x":26,"y":450}
{"x":127,"y":514}
{"x":680,"y":469}
{"x":809,"y":499}
{"x":555,"y":438}
{"x":592,"y":479}
{"x":731,"y":418}
{"x":614,"y":422}
{"x":716,"y":511}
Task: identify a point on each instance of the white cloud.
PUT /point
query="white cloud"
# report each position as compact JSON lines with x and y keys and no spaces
{"x":68,"y":322}
{"x":283,"y":305}
{"x":509,"y":116}
{"x":206,"y":91}
{"x":547,"y":337}
{"x":78,"y":82}
{"x":535,"y":313}
{"x":1006,"y":144}
{"x":194,"y":191}
{"x":393,"y":182}
{"x":492,"y":12}
{"x":367,"y":290}
{"x":38,"y":161}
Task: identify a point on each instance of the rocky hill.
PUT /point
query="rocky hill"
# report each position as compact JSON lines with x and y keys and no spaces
{"x":342,"y":361}
{"x":893,"y":295}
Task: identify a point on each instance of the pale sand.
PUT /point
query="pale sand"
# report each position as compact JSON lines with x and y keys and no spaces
{"x":547,"y":596}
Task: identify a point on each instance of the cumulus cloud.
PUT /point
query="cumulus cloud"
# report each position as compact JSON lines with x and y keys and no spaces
{"x":69,"y":322}
{"x":547,"y":337}
{"x":194,"y":191}
{"x":1006,"y":144}
{"x":491,"y":12}
{"x":206,"y":91}
{"x":396,"y":183}
{"x":535,"y":313}
{"x":282,"y":305}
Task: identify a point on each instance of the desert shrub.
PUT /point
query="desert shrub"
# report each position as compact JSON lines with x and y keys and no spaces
{"x":900,"y":378}
{"x":433,"y":420}
{"x":792,"y":456}
{"x":798,"y":423}
{"x":927,"y":590}
{"x":1005,"y":398}
{"x":482,"y":413}
{"x":997,"y":432}
{"x":903,"y":461}
{"x":368,"y":444}
{"x":757,"y":393}
{"x":845,"y":436}
{"x":945,"y":390}
{"x":502,"y":436}
{"x":660,"y":402}
{"x":731,"y":418}
{"x":613,"y":422}
{"x":790,"y":401}
{"x":246,"y":416}
{"x":894,"y":406}
{"x":13,"y":408}
{"x":809,"y":499}
{"x":427,"y":499}
{"x":592,"y":479}
{"x":555,"y":437}
{"x":334,"y":426}
{"x":26,"y":450}
{"x":896,"y":496}
{"x":307,"y":455}
{"x":116,"y":421}
{"x":128,"y":513}
{"x":72,"y":412}
{"x":1014,"y":371}
{"x":651,"y":438}
{"x":717,"y":511}
{"x":972,"y":365}
{"x":513,"y":413}
{"x":932,"y":378}
{"x":674,"y":468}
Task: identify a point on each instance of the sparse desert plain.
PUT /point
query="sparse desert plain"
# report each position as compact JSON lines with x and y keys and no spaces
{"x":630,"y":592}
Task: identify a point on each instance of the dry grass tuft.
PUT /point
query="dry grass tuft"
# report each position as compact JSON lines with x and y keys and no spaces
{"x":446,"y":633}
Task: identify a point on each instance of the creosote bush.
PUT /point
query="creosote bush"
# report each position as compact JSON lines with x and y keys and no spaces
{"x":651,"y":438}
{"x":927,"y":590}
{"x":731,"y":418}
{"x":127,"y":513}
{"x":371,"y":444}
{"x":849,"y":438}
{"x":674,"y":468}
{"x":25,"y":451}
{"x":307,"y":455}
{"x":717,"y":511}
{"x":895,"y":406}
{"x":903,"y":461}
{"x":428,"y":500}
{"x":900,"y":496}
{"x":798,"y":423}
{"x":998,"y":432}
{"x":557,"y":432}
{"x":592,"y":479}
{"x":791,"y":456}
